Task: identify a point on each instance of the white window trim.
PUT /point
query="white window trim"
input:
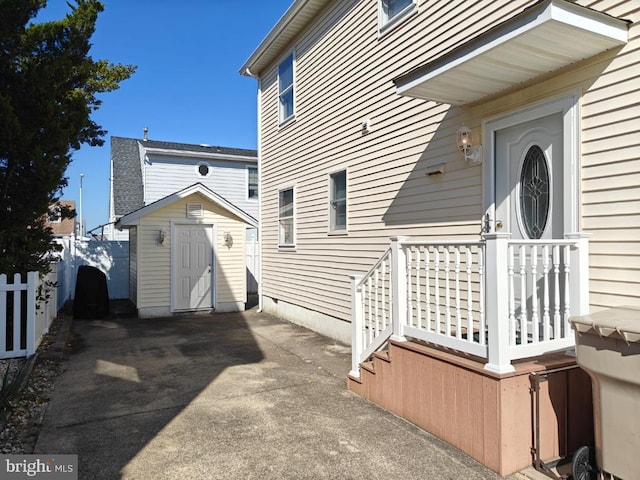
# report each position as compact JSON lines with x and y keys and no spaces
{"x":285,"y":121}
{"x":332,"y":229}
{"x":288,"y":246}
{"x":385,"y":27}
{"x":252,"y":199}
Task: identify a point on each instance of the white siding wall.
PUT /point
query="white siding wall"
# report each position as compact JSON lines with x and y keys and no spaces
{"x":344,"y":75}
{"x":154,"y":261}
{"x":166,"y":175}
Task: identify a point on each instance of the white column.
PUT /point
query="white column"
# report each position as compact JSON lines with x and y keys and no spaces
{"x":579,"y":273}
{"x":398,"y":288}
{"x":497,"y":302}
{"x":357,"y":341}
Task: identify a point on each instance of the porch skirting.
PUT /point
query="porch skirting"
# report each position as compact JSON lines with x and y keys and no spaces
{"x":488,"y":416}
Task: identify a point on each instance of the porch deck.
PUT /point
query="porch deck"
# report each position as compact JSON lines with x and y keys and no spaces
{"x":446,"y":334}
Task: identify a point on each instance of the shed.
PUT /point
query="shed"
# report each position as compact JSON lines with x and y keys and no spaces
{"x":187,"y":253}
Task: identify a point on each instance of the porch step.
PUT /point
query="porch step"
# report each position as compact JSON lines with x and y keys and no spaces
{"x":370,"y":365}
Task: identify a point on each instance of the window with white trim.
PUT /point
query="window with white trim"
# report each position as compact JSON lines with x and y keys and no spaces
{"x":252,"y":182}
{"x":285,"y":89}
{"x":338,"y":201}
{"x":286,"y":220}
{"x":394,"y":10}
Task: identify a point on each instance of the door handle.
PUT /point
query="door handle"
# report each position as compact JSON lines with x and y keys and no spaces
{"x":498,"y":225}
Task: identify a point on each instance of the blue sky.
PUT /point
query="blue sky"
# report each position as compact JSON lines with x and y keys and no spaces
{"x":187,"y":87}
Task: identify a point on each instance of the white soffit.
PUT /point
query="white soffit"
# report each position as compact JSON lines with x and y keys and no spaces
{"x":550,"y":35}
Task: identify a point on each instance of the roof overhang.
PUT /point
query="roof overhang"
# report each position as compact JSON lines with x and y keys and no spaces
{"x":282,"y":35}
{"x":167,"y":152}
{"x":133,"y":219}
{"x":549,"y":36}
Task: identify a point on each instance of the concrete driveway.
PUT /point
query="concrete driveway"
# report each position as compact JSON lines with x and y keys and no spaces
{"x":228,"y":396}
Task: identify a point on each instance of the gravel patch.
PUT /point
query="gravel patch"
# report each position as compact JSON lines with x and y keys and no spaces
{"x":24,"y":414}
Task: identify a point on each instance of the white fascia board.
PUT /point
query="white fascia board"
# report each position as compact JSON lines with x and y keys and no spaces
{"x":190,"y":154}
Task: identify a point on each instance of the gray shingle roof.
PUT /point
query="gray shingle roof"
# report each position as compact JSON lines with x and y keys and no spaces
{"x":127,"y":186}
{"x":199,"y":148}
{"x":128,"y":193}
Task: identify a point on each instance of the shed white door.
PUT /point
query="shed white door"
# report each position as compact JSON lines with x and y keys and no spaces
{"x":529,"y":199}
{"x":192,"y":265}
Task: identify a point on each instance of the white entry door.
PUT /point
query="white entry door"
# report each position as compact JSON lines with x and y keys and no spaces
{"x":529,"y":205}
{"x":528,"y":180}
{"x":192,"y":265}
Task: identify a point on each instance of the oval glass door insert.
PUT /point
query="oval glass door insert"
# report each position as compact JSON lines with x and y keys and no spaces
{"x":534,"y":192}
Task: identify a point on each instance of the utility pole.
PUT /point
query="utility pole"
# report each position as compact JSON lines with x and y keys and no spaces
{"x":81,"y":219}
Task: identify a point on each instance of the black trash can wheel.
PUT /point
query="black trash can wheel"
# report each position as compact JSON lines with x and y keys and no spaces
{"x":583,"y":465}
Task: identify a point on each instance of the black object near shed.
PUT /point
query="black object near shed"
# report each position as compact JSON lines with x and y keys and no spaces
{"x":91,"y":299}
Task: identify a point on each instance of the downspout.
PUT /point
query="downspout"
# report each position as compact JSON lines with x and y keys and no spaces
{"x":247,"y":72}
{"x":259,"y":99}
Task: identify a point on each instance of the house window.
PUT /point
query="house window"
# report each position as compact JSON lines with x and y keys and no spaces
{"x":286,"y":217}
{"x":55,"y":214}
{"x":285,"y":89}
{"x":392,"y":11}
{"x":338,"y":201}
{"x":203,"y":169}
{"x":252,"y":180}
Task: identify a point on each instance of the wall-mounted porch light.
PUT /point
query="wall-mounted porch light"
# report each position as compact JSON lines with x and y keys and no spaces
{"x":162,"y":236}
{"x":228,"y":239}
{"x":472,"y":153}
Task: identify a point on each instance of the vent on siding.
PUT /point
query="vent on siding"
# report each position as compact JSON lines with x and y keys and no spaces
{"x":194,"y":210}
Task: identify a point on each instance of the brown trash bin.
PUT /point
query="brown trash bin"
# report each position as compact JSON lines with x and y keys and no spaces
{"x":608,"y":349}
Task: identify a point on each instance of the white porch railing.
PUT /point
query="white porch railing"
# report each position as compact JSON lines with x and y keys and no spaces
{"x":497,"y":299}
{"x":26,"y":312}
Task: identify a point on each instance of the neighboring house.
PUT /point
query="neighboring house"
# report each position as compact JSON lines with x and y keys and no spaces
{"x":60,"y":227}
{"x":189,"y":212}
{"x":187,"y":253}
{"x":143,"y":171}
{"x":496,"y":144}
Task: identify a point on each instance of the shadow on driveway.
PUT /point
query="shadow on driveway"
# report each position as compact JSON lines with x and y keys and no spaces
{"x":227,"y":396}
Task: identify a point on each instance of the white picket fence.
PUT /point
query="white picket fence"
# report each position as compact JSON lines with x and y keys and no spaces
{"x":27,"y":309}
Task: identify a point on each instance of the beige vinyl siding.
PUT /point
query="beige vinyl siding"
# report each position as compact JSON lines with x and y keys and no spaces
{"x":154,"y":263}
{"x":610,"y":178}
{"x":133,"y":265}
{"x":344,"y":76}
{"x":342,"y":79}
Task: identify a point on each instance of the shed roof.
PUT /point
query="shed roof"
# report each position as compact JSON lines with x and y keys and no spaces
{"x":133,"y":218}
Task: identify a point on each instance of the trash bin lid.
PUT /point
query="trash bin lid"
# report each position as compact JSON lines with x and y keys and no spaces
{"x":623,"y":322}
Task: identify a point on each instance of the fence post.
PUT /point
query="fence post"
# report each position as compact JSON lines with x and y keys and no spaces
{"x":357,"y":340}
{"x":579,"y":273}
{"x":398,"y":288}
{"x":497,"y":302}
{"x":32,"y":290}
